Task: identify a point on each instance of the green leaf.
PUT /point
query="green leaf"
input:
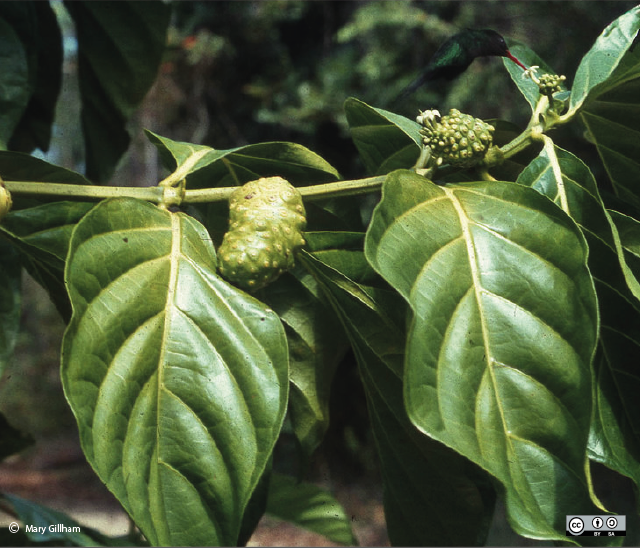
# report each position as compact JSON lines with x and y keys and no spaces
{"x":568,"y":182}
{"x":207,"y":167}
{"x":178,"y":380}
{"x":45,"y":41}
{"x":615,"y":431}
{"x":10,"y":301}
{"x":15,"y":90}
{"x":612,"y":119}
{"x":613,"y":427}
{"x":56,"y":527}
{"x":629,"y":231}
{"x":386,"y":141}
{"x":432,"y":495}
{"x":309,"y":507}
{"x":565,"y":179}
{"x":344,"y":251}
{"x":316,"y":344}
{"x":18,"y":166}
{"x":597,"y":66}
{"x":46,"y":228}
{"x":41,"y":234}
{"x":503,"y":333}
{"x":120,"y":46}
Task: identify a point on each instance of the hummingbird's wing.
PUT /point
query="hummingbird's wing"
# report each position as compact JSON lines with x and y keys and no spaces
{"x":449,"y":60}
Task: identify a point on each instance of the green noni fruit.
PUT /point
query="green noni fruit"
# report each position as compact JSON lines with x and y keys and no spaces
{"x":266,"y":220}
{"x":457,"y":139}
{"x":5,"y":200}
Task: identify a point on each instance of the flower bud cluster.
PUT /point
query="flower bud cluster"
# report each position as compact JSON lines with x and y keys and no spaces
{"x":550,"y":83}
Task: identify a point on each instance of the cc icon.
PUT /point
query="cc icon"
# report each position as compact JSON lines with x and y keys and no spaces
{"x":576,"y":525}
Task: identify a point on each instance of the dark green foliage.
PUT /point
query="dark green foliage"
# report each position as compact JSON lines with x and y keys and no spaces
{"x":491,"y":321}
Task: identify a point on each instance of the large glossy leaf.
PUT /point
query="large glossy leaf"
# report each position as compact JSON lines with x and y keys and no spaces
{"x":316,"y":344}
{"x":317,"y":341}
{"x":309,"y":507}
{"x":207,"y":167}
{"x":593,"y":75}
{"x":566,"y":180}
{"x":615,"y":432}
{"x":120,"y":47}
{"x":503,"y":333}
{"x":386,"y":141}
{"x":432,"y":495}
{"x":178,"y":380}
{"x":612,"y":119}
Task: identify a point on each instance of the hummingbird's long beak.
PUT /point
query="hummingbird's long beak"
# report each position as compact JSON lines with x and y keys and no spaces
{"x":510,"y":56}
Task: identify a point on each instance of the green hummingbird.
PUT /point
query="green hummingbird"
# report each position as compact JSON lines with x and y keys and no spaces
{"x":455,"y":55}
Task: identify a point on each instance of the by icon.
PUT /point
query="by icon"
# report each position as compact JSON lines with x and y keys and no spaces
{"x":597,"y":522}
{"x":576,"y":525}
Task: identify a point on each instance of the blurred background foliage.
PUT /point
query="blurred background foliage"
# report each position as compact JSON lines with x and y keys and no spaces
{"x":236,"y":73}
{"x":245,"y":72}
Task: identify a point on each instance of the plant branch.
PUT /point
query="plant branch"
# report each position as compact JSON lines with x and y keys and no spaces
{"x":315,"y":192}
{"x":521,"y":142}
{"x":90,"y":192}
{"x":156,"y":194}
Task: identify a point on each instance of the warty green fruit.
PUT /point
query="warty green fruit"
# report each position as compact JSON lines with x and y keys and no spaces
{"x":5,"y":200}
{"x":266,"y":221}
{"x":458,"y":139}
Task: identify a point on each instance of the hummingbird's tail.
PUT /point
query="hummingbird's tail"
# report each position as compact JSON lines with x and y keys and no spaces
{"x":411,"y":88}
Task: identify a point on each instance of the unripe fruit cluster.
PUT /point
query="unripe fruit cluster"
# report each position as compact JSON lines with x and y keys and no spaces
{"x":266,"y":220}
{"x":458,"y":139}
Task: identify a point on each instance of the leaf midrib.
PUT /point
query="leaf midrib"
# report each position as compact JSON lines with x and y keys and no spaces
{"x":475,"y":276}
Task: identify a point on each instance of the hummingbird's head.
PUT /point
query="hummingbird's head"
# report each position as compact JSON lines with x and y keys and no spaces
{"x":489,"y":42}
